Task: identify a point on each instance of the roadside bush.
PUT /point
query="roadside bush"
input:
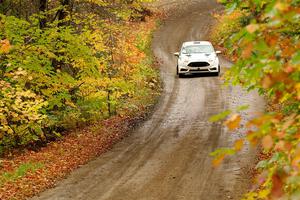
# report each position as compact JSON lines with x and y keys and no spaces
{"x":228,"y":25}
{"x":268,"y":52}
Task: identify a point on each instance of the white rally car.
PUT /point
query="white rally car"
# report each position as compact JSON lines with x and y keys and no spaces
{"x":197,"y":57}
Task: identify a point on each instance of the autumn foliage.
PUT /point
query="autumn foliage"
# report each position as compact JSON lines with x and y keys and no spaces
{"x":267,"y":52}
{"x":67,"y":63}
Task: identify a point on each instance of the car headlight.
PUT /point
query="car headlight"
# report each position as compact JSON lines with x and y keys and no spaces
{"x":211,"y":60}
{"x":186,"y":61}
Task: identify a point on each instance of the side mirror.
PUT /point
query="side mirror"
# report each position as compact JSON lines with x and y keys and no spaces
{"x":218,"y":52}
{"x":176,"y":54}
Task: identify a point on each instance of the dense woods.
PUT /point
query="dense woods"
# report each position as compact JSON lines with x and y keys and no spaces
{"x":264,"y":37}
{"x":64,"y":63}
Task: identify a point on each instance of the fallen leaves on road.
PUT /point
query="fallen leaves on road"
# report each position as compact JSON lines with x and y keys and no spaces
{"x":59,"y":158}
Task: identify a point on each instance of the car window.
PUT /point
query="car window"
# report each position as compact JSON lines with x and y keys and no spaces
{"x":197,"y":49}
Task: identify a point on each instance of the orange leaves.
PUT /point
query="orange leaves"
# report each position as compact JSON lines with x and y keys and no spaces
{"x":271,"y":39}
{"x":5,"y":46}
{"x":220,"y":154}
{"x":277,"y":187}
{"x":251,"y":28}
{"x":289,"y":68}
{"x":238,"y":145}
{"x":287,"y":48}
{"x":247,"y":51}
{"x":267,"y":142}
{"x":233,"y":122}
{"x":267,"y":82}
{"x":218,"y":160}
{"x":252,"y":138}
{"x":288,"y":51}
{"x":283,"y":7}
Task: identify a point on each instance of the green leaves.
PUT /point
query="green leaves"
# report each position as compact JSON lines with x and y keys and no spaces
{"x":267,"y":58}
{"x":83,"y":66}
{"x":220,"y":116}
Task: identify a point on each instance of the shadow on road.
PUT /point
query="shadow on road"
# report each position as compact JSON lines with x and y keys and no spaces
{"x":202,"y":75}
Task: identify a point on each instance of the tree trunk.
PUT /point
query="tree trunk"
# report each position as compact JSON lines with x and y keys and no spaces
{"x":42,"y":9}
{"x":62,"y":13}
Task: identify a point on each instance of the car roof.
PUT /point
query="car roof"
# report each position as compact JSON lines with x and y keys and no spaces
{"x":189,"y":43}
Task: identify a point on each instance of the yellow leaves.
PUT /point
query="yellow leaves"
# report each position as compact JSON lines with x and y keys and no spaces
{"x":263,"y":194}
{"x":282,"y":6}
{"x":296,"y":162}
{"x":251,"y":28}
{"x":70,"y":103}
{"x":296,"y":159}
{"x":233,"y":122}
{"x":238,"y":145}
{"x":251,"y":138}
{"x":5,"y":46}
{"x":297,"y":88}
{"x":267,"y":142}
{"x":5,"y":129}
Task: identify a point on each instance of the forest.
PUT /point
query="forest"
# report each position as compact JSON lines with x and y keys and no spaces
{"x":66,"y":63}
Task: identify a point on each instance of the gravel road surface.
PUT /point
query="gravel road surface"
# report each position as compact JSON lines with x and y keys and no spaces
{"x":167,"y":157}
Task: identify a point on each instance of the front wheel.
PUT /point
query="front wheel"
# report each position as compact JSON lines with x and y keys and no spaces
{"x":180,"y":75}
{"x":219,"y":70}
{"x":177,"y":70}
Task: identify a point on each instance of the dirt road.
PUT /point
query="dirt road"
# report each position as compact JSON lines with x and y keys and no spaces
{"x":167,"y":158}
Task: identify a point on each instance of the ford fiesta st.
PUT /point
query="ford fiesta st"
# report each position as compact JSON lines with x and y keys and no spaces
{"x":197,"y":57}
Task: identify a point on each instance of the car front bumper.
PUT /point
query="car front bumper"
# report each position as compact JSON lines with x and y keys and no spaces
{"x":196,"y":70}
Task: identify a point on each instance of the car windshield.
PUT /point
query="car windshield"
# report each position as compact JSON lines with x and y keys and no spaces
{"x":198,"y":49}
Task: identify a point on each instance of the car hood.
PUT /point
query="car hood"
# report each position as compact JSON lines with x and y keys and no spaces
{"x":200,"y":57}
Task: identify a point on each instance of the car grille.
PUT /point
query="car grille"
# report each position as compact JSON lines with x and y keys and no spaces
{"x":199,"y":70}
{"x":198,"y":64}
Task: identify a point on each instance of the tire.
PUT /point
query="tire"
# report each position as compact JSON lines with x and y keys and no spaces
{"x":180,"y":75}
{"x":177,"y":70}
{"x":219,"y":71}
